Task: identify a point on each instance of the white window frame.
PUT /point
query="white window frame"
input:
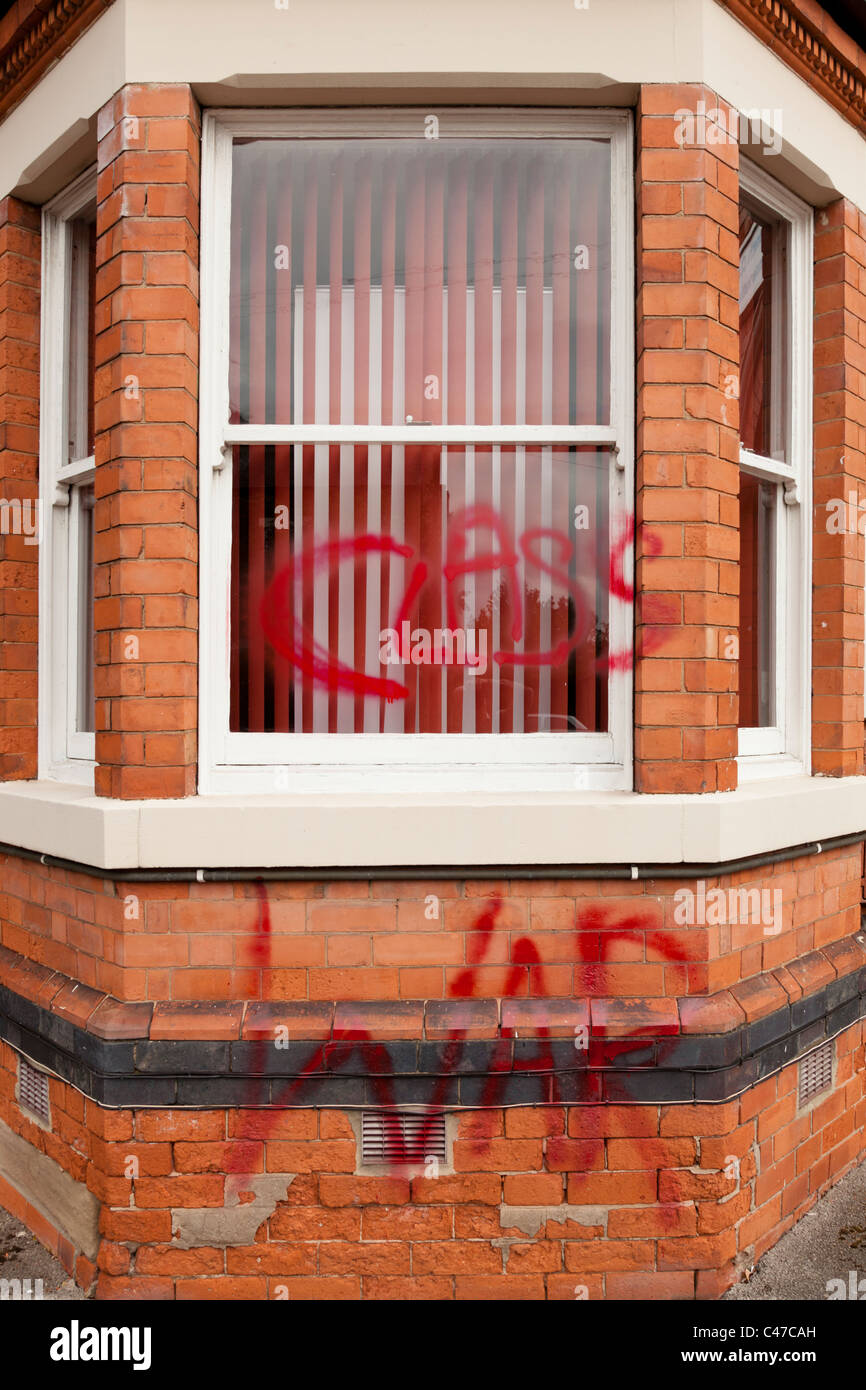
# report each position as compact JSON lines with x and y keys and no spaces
{"x":260,"y":763}
{"x":65,"y":754}
{"x":785,"y":748}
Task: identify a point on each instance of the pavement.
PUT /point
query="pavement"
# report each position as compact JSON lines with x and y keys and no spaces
{"x":828,"y":1243}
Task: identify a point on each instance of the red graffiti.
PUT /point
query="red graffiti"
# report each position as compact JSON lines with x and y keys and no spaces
{"x":300,"y":648}
{"x":559,"y":654}
{"x":602,"y":1052}
{"x":477,"y":518}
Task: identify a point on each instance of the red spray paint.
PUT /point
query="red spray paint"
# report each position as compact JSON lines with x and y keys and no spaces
{"x":374,"y":1055}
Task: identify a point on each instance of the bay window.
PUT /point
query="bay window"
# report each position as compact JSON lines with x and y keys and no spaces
{"x":416,"y":450}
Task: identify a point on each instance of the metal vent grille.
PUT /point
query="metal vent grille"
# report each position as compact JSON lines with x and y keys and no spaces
{"x":402,"y":1136}
{"x":33,"y":1091}
{"x":816,"y":1072}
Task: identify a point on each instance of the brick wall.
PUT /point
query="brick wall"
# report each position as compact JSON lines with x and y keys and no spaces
{"x":20,"y":276}
{"x":68,"y":1142}
{"x":688,"y":450}
{"x":839,"y":473}
{"x":382,"y":941}
{"x":146,"y":446}
{"x":616,"y":1202}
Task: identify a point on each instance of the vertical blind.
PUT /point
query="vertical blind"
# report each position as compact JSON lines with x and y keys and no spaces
{"x":451,"y":282}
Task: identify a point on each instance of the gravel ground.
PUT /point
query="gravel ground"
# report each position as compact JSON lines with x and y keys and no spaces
{"x":22,"y":1257}
{"x":827,"y":1243}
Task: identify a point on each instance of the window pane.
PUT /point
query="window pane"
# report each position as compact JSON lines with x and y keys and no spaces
{"x":758,"y":502}
{"x":763,"y":317}
{"x":419,"y":589}
{"x":85,"y":704}
{"x":82,"y":337}
{"x":453,"y":281}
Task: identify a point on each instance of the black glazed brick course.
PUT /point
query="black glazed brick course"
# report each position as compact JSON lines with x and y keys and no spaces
{"x":806,"y":1010}
{"x":723,"y":1085}
{"x":767,"y":1030}
{"x":700,"y":1051}
{"x":470,"y":1072}
{"x":264,"y":1059}
{"x":474,"y":1055}
{"x":182,"y":1058}
{"x":841,"y":990}
{"x":108,"y":1058}
{"x":648,"y":1087}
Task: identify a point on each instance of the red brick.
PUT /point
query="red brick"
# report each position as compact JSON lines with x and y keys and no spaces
{"x":134,"y":1289}
{"x":592,"y":1256}
{"x":533,"y":1189}
{"x":497,"y":1155}
{"x":379,"y":1257}
{"x":650,"y":1286}
{"x":605,"y":1189}
{"x":660,"y":1220}
{"x":650,"y":1153}
{"x":221,"y":1289}
{"x":697,"y":1252}
{"x":167,"y":1259}
{"x":533,"y":1122}
{"x":336,"y":1190}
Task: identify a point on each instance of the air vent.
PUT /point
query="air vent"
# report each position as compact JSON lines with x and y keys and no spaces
{"x":816,"y":1072}
{"x":402,"y":1136}
{"x":33,"y":1091}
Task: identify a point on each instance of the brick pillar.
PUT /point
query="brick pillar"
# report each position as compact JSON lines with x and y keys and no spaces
{"x":839,"y":478}
{"x":20,"y":275}
{"x":146,"y":426}
{"x":687,"y":542}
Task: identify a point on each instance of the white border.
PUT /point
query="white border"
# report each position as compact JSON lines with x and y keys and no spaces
{"x":255,"y":763}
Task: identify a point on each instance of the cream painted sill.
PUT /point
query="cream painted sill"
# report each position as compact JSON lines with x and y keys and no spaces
{"x":470,"y":829}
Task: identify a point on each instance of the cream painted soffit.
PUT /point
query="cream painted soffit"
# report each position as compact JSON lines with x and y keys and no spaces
{"x":318,"y":51}
{"x":68,"y":822}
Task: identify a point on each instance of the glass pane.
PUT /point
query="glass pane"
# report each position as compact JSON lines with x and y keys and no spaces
{"x":419,"y":589}
{"x":85,"y":720}
{"x":758,"y":502}
{"x":763,"y":338}
{"x":82,"y":336}
{"x":453,"y":281}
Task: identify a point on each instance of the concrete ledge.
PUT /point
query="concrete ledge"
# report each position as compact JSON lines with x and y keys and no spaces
{"x":459,"y":830}
{"x":68,"y":1205}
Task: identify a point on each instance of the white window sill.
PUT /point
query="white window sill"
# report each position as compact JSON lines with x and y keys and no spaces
{"x":757,"y":767}
{"x":461,"y":829}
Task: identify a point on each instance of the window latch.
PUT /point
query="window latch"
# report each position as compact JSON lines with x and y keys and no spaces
{"x":222,"y":457}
